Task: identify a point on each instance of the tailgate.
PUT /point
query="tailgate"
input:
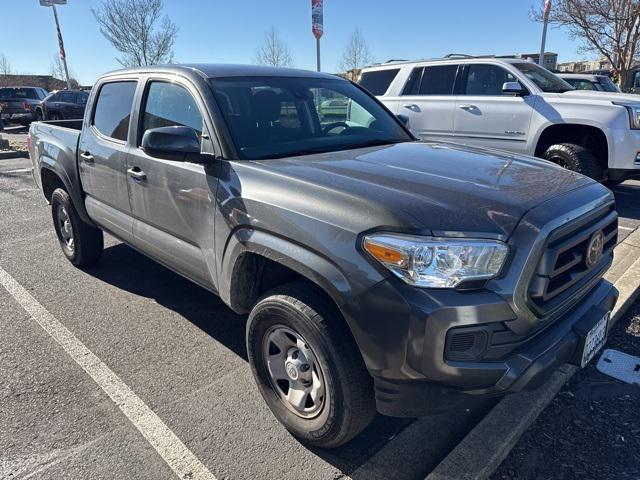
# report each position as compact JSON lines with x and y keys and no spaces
{"x":11,"y":105}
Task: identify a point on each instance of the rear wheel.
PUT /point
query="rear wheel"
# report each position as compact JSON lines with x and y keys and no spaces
{"x":575,"y":158}
{"x":307,"y":366}
{"x":81,"y":243}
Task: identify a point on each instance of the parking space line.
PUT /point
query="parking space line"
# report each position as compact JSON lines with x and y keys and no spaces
{"x":175,"y":453}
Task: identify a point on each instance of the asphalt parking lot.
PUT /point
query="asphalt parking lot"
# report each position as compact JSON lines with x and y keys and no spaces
{"x":180,"y":351}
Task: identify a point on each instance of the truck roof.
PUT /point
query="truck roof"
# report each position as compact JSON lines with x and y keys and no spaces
{"x":213,"y":70}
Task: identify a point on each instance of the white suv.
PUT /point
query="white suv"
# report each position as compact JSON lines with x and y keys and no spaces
{"x":515,"y":105}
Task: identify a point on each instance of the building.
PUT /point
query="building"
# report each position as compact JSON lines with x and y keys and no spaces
{"x":47,"y":82}
{"x":550,"y":58}
{"x":588,"y":66}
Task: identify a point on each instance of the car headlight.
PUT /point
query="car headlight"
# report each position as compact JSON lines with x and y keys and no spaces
{"x":634,"y":114}
{"x":431,"y":262}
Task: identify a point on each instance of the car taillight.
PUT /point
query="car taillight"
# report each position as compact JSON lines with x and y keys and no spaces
{"x":26,"y":106}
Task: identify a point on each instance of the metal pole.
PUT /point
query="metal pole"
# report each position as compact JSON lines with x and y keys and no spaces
{"x":544,"y":37}
{"x":63,"y":58}
{"x":318,"y":52}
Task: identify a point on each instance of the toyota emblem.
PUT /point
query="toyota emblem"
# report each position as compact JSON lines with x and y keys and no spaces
{"x":594,"y":249}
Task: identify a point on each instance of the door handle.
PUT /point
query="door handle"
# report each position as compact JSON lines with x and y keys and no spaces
{"x":137,"y":174}
{"x":412,"y":106}
{"x":87,"y":157}
{"x":466,"y":106}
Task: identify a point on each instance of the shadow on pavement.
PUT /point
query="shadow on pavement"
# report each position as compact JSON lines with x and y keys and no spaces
{"x":129,"y":270}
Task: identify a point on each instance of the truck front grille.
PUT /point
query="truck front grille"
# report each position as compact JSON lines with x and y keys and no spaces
{"x":572,"y":261}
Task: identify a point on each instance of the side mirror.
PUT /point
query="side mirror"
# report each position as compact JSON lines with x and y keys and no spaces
{"x":171,"y":142}
{"x":404,"y":119}
{"x":513,"y":87}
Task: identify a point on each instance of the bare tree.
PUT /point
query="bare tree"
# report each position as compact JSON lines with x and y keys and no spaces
{"x":356,"y":53}
{"x":273,"y":51}
{"x":5,"y":66}
{"x":137,"y":29}
{"x":56,"y":70}
{"x":610,"y":28}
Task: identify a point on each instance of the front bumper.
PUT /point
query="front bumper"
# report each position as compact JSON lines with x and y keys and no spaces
{"x":527,"y":367}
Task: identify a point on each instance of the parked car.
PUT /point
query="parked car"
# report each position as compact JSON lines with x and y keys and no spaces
{"x":62,"y":105}
{"x":378,"y":272}
{"x":18,"y":103}
{"x":514,"y":105}
{"x":598,"y":83}
{"x":334,"y":108}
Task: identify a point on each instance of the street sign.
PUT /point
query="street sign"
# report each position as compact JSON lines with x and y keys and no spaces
{"x":51,"y":3}
{"x":317,"y":26}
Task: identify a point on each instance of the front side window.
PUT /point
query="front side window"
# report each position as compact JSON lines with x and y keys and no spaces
{"x":378,"y":82}
{"x":486,"y":80}
{"x":169,"y":105}
{"x":438,"y":80}
{"x":113,"y":109}
{"x":607,"y":85}
{"x":543,"y":78}
{"x":275,"y":117}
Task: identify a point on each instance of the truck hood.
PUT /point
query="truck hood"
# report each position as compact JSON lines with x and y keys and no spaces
{"x":442,"y":188}
{"x":592,"y":95}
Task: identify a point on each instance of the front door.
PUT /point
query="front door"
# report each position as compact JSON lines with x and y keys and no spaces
{"x":428,"y":101}
{"x":485,"y":116}
{"x":173,"y":201}
{"x":102,"y":158}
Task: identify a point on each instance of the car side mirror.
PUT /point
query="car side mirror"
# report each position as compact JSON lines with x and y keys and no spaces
{"x":404,"y":119}
{"x":174,"y":143}
{"x":513,"y":87}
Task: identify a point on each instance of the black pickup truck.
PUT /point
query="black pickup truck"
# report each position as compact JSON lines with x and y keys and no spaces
{"x":378,"y":272}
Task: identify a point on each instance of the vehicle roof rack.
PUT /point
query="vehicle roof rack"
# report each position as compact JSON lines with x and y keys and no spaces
{"x":457,"y":55}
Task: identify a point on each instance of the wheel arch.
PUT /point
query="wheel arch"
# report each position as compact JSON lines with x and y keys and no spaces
{"x":52,"y":176}
{"x":591,"y":137}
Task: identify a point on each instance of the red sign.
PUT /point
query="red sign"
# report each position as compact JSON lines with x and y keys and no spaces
{"x":547,"y":7}
{"x":317,"y":26}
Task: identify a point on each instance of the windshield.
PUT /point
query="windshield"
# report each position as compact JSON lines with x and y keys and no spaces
{"x":275,"y":117}
{"x":543,"y":78}
{"x":607,"y":84}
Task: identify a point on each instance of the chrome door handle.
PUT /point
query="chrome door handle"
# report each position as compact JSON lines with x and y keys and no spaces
{"x":465,"y":106}
{"x":137,"y":174}
{"x":412,"y":106}
{"x":87,"y":157}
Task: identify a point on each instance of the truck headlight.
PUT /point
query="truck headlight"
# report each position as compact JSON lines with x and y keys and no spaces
{"x":634,"y":114}
{"x":431,"y":262}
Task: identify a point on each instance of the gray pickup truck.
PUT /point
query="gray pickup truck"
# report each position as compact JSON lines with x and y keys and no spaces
{"x":378,"y":272}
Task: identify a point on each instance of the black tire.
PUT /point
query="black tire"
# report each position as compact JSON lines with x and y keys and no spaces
{"x":87,"y":241}
{"x":39,"y":116}
{"x":348,"y":405}
{"x":575,"y":158}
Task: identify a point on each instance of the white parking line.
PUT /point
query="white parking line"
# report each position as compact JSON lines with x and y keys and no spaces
{"x":19,"y":170}
{"x":181,"y":460}
{"x":625,"y":228}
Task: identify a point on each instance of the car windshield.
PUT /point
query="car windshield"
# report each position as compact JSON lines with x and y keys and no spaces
{"x":275,"y":117}
{"x":607,"y":84}
{"x":543,"y":78}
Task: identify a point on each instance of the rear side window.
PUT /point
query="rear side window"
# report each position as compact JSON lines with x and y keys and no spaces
{"x":19,"y":93}
{"x":68,"y":97}
{"x":113,"y":109}
{"x":378,"y":82}
{"x":438,"y":80}
{"x":170,"y":105}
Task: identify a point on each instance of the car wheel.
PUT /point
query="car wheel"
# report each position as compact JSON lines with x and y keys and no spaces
{"x":39,"y":116}
{"x":308,"y":367}
{"x":576,"y":158}
{"x":81,"y":243}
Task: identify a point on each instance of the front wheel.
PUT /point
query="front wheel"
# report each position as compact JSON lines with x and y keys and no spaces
{"x":81,"y":243}
{"x":307,"y":366}
{"x":575,"y":158}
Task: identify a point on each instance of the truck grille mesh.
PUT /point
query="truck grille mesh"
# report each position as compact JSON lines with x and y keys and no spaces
{"x":565,"y":269}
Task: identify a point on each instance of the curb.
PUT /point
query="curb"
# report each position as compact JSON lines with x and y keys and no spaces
{"x":491,"y":440}
{"x":13,"y":154}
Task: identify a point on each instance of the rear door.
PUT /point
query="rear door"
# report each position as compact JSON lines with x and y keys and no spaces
{"x":428,"y":100}
{"x":485,"y":116}
{"x":173,"y":201}
{"x":102,"y":157}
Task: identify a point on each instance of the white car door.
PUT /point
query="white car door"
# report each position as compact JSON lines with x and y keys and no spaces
{"x":486,"y":116}
{"x":429,"y":102}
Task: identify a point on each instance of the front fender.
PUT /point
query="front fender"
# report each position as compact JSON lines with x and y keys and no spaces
{"x":301,"y":260}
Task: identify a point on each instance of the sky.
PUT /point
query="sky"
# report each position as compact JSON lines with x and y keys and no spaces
{"x":228,"y":31}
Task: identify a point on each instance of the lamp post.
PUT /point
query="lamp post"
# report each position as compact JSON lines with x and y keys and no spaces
{"x":63,"y":55}
{"x":547,"y":10}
